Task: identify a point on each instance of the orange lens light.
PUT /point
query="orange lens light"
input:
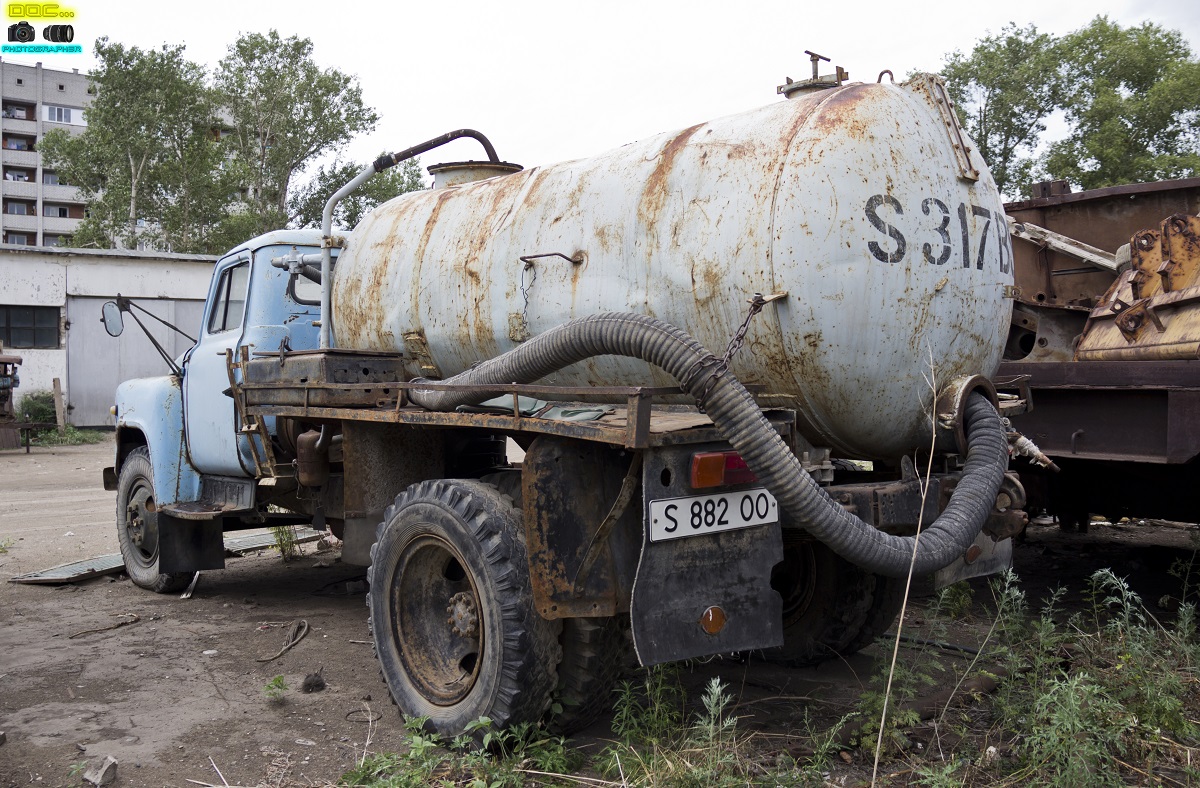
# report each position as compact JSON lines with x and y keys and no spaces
{"x":719,"y":469}
{"x":708,"y":469}
{"x":712,"y":620}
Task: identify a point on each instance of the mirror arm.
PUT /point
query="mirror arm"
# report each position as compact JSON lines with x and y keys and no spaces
{"x":166,"y":356}
{"x":125,"y":305}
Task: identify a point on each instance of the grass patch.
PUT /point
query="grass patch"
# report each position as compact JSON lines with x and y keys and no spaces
{"x":69,"y":437}
{"x":1098,"y":692}
{"x":285,"y":541}
{"x":480,"y":758}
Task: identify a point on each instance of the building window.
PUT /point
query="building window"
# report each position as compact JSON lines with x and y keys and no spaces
{"x":21,"y":176}
{"x":58,"y":114}
{"x":15,"y":113}
{"x":62,"y":86}
{"x":50,"y":178}
{"x":20,"y":81}
{"x":20,"y":239}
{"x":57,"y":240}
{"x":29,"y":326}
{"x":55,"y":210}
{"x":16,"y":208}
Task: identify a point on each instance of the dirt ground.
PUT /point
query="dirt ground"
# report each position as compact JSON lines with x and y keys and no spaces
{"x":179,"y":694}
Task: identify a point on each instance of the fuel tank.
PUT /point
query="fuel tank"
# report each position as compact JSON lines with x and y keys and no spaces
{"x":866,"y":204}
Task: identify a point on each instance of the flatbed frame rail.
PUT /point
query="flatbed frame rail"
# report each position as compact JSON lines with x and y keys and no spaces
{"x":639,"y":423}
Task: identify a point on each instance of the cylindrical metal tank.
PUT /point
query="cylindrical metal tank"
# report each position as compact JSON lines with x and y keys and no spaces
{"x":890,"y":243}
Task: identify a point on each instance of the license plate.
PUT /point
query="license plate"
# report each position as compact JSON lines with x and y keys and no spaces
{"x":676,"y":518}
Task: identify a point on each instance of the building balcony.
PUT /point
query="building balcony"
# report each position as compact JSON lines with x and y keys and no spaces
{"x":23,"y":158}
{"x":59,"y":224}
{"x":70,"y":128}
{"x":18,"y":126}
{"x":58,"y":193}
{"x":19,"y":188}
{"x":14,"y":221}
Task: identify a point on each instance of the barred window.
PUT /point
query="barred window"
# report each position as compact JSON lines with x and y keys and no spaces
{"x":29,"y":326}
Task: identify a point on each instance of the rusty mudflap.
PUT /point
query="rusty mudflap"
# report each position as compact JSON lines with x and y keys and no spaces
{"x":582,"y":526}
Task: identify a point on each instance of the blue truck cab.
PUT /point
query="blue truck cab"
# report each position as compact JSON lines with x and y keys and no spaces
{"x":185,"y":461}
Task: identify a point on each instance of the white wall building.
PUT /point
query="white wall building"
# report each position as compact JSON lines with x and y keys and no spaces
{"x":50,"y":316}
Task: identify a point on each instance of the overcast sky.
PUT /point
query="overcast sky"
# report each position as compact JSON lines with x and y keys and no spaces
{"x":549,"y":81}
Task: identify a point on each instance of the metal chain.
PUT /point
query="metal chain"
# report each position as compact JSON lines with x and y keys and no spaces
{"x":722,"y":365}
{"x":525,"y":293}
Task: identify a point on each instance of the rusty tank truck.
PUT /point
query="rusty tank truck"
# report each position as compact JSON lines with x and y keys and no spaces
{"x":1106,"y":335}
{"x":684,"y":336}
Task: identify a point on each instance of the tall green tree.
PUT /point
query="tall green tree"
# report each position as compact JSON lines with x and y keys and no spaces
{"x":308,"y":203}
{"x":1128,"y":95}
{"x":1005,"y":90}
{"x":145,"y":163}
{"x":285,"y":112}
{"x":1134,"y":106}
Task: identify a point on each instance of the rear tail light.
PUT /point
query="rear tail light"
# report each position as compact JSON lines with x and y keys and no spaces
{"x":719,"y":469}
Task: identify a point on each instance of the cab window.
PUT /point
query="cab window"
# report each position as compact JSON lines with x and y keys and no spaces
{"x":230,"y":301}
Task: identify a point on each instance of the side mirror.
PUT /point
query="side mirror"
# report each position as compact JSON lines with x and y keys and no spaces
{"x":111,"y":318}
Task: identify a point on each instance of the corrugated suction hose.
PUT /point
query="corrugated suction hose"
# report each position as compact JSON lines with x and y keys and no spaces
{"x":740,"y":420}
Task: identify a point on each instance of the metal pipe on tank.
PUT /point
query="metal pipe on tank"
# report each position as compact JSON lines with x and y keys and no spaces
{"x":379,"y":165}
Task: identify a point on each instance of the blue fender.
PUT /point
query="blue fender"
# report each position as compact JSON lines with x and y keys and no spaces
{"x":154,"y":407}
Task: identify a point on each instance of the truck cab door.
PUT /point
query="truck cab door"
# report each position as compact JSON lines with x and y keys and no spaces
{"x":210,"y":421}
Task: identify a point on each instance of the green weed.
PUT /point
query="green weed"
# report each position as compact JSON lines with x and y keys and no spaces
{"x":37,"y":407}
{"x":275,"y":689}
{"x":430,"y":759}
{"x":955,"y":600}
{"x":285,"y":541}
{"x":69,"y":437}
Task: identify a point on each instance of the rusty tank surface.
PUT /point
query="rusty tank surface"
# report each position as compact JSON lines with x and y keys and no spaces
{"x":865,"y":204}
{"x":1110,"y":349}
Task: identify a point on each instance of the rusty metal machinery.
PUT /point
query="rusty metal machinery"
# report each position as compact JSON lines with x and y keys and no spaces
{"x":1149,"y":312}
{"x":1115,"y":373}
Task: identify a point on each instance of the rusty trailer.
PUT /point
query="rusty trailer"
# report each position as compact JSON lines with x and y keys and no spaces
{"x":1112,"y":356}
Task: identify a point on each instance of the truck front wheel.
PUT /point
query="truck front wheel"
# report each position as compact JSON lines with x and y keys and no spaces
{"x":451,"y":609}
{"x":137,"y":526}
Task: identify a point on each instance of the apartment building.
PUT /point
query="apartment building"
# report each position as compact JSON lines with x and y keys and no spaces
{"x":37,"y":208}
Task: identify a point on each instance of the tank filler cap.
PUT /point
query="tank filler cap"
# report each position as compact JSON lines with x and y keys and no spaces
{"x":792,"y":89}
{"x":456,"y":173}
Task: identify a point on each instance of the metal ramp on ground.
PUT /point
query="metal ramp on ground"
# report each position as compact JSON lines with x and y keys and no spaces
{"x":110,"y":564}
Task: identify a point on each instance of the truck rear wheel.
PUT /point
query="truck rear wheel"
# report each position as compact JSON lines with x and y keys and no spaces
{"x":594,"y":656}
{"x":594,"y":649}
{"x":137,"y":526}
{"x":887,"y":598}
{"x":826,"y":603}
{"x":451,"y":609}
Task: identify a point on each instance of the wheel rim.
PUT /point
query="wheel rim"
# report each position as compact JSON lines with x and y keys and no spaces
{"x":141,"y":524}
{"x":438,"y":620}
{"x":796,"y":580}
